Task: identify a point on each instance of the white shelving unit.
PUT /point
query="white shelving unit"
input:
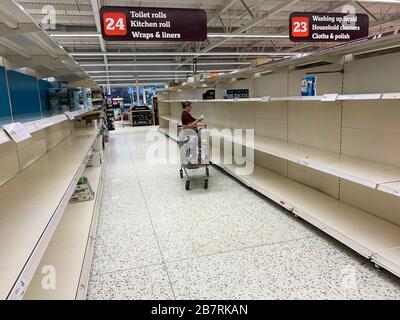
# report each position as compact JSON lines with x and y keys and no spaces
{"x":333,"y":97}
{"x":70,"y":250}
{"x":365,"y":233}
{"x":331,"y":159}
{"x":371,"y":174}
{"x":33,"y":203}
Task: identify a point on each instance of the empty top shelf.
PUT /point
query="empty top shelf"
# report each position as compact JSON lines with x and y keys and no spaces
{"x":30,"y":199}
{"x":361,"y":171}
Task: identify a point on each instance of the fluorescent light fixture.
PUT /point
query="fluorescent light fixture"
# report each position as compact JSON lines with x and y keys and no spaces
{"x":248,"y":35}
{"x":134,"y":80}
{"x":164,"y":64}
{"x":157,"y":71}
{"x":184,"y":54}
{"x":210,"y":35}
{"x":75,"y":35}
{"x":381,"y":1}
{"x":140,"y":77}
{"x":130,"y":84}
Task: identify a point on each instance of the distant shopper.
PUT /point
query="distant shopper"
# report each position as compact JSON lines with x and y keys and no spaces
{"x":186,"y":118}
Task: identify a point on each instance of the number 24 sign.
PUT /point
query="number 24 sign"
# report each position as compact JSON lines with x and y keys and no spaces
{"x":115,"y":24}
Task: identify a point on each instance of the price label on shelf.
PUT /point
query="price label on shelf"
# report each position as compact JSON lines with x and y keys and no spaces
{"x":265,"y":98}
{"x":70,"y":115}
{"x":17,"y":132}
{"x":20,"y":289}
{"x":329,"y":97}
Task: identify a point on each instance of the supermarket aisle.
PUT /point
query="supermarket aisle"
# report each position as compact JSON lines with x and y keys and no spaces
{"x":157,"y":241}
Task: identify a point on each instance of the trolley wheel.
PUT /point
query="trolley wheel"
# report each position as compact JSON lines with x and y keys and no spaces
{"x":206,"y":184}
{"x":187,"y":185}
{"x":181,"y":173}
{"x":207,"y":172}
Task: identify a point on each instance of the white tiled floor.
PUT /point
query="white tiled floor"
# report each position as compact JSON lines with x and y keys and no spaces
{"x":155,"y":240}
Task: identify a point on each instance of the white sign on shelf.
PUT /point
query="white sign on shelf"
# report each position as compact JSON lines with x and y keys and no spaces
{"x":4,"y":137}
{"x":70,"y":115}
{"x":17,"y":132}
{"x":20,"y":289}
{"x":266,"y":98}
{"x":390,"y":96}
{"x":329,"y":97}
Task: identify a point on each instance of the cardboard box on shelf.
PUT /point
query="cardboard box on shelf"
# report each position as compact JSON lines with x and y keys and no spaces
{"x":83,"y":191}
{"x":95,"y":159}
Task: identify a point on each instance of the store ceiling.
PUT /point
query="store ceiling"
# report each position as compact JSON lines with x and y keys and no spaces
{"x":77,"y":29}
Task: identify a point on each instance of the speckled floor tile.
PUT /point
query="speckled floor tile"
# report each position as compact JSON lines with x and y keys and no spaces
{"x":304,"y":269}
{"x":185,"y":233}
{"x":226,"y":242}
{"x":124,"y":248}
{"x":149,"y":283}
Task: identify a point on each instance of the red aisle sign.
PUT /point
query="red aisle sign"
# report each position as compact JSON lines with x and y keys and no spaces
{"x":328,"y":27}
{"x":153,"y":24}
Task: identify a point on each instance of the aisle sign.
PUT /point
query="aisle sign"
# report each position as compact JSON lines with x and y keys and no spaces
{"x":17,"y":132}
{"x":153,"y":24}
{"x":334,"y":27}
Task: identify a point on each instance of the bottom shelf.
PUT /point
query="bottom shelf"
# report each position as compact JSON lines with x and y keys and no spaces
{"x":389,"y":260}
{"x":69,"y":251}
{"x":370,"y":236}
{"x":166,"y":132}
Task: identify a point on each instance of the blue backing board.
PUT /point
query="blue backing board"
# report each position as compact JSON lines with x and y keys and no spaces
{"x":24,"y":96}
{"x":43,"y":86}
{"x":5,"y":113}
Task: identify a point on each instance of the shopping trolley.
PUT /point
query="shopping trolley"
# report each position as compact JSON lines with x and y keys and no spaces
{"x":194,"y":150}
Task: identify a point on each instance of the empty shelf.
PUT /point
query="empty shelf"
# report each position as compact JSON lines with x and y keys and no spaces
{"x":32,"y":204}
{"x":68,"y":247}
{"x":167,"y":133}
{"x":392,"y":187}
{"x":363,"y":232}
{"x":169,"y":118}
{"x":389,"y":259}
{"x":365,"y":172}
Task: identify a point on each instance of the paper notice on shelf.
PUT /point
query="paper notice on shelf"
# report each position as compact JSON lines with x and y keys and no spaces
{"x":20,"y":289}
{"x":329,"y":97}
{"x":4,"y":137}
{"x":17,"y":132}
{"x":71,"y":115}
{"x":265,"y":98}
